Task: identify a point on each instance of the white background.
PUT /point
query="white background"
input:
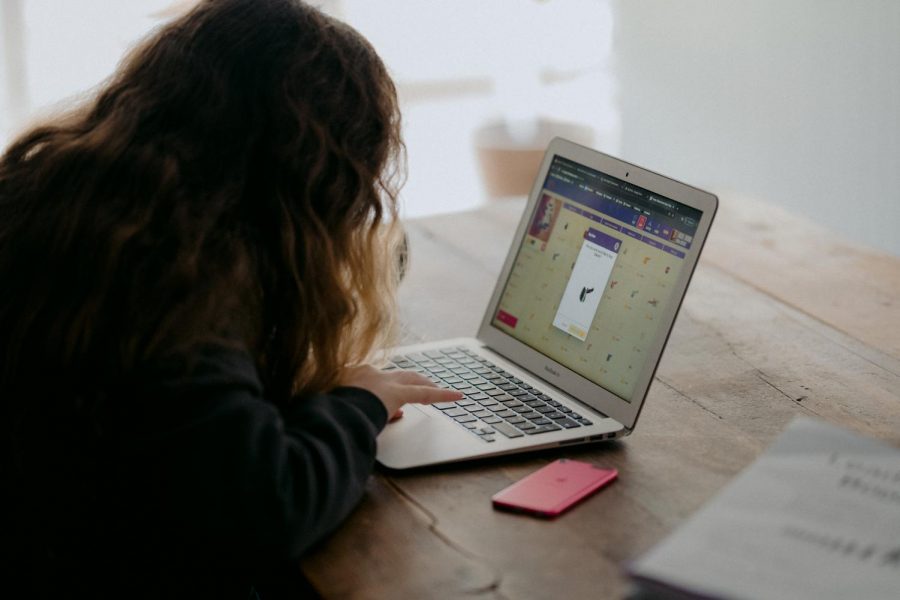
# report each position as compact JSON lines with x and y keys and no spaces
{"x":791,"y":101}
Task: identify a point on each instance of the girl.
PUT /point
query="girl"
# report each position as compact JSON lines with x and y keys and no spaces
{"x":197,"y":265}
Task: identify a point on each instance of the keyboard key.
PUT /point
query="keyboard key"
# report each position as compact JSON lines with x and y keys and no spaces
{"x":526,"y":426}
{"x":519,"y":409}
{"x":518,"y":393}
{"x":505,"y":413}
{"x":488,"y":402}
{"x":515,"y":380}
{"x":507,"y":387}
{"x":471,"y":425}
{"x":464,"y":403}
{"x":433,"y":354}
{"x":541,"y":421}
{"x":508,"y":430}
{"x":585,"y":422}
{"x":492,"y":420}
{"x":535,"y":403}
{"x":544,"y":397}
{"x":498,"y":408}
{"x":486,"y":386}
{"x":568,"y":423}
{"x":488,"y":438}
{"x":532,"y":415}
{"x":464,"y":418}
{"x":495,"y":392}
{"x":482,"y":413}
{"x":452,"y":380}
{"x":444,"y":405}
{"x":515,"y":420}
{"x":478,"y":396}
{"x":455,"y":412}
{"x":554,"y":415}
{"x":542,"y":429}
{"x":545,"y":409}
{"x":474,"y":408}
{"x":564,"y":409}
{"x":574,"y":415}
{"x":484,"y":430}
{"x":554,"y":403}
{"x":504,"y":398}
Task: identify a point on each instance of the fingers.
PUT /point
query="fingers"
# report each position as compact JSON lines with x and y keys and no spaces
{"x":396,"y":388}
{"x":429,"y":394}
{"x":418,"y":389}
{"x":411,"y":378}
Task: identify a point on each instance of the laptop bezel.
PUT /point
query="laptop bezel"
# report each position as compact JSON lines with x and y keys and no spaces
{"x":544,"y":367}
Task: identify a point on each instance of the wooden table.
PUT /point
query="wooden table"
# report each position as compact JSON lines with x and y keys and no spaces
{"x":782,"y":318}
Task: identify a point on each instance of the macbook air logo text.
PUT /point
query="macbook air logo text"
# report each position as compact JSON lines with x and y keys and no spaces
{"x":551,"y":371}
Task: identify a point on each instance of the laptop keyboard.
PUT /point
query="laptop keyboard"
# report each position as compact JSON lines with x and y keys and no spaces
{"x":495,"y":401}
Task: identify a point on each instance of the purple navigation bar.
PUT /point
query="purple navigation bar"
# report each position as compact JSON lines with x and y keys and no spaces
{"x":674,"y":252}
{"x":615,"y":226}
{"x":610,"y":224}
{"x":603,"y":240}
{"x":652,"y":242}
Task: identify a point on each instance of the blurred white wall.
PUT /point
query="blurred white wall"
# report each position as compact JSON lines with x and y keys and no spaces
{"x":457,"y":63}
{"x":54,"y":51}
{"x":793,"y":101}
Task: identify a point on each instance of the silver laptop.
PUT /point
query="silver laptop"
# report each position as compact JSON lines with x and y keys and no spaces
{"x":577,"y":322}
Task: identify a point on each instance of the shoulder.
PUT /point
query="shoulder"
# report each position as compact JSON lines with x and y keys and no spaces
{"x":210,"y":367}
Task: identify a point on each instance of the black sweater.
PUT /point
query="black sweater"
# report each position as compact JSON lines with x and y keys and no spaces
{"x":185,"y":485}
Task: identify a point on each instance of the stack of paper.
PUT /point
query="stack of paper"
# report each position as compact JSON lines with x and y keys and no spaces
{"x":816,"y":516}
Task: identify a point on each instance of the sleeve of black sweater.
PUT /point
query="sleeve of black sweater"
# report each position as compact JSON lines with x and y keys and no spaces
{"x":231,"y":478}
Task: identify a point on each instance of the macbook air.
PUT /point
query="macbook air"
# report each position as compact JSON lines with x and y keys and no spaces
{"x":577,"y":323}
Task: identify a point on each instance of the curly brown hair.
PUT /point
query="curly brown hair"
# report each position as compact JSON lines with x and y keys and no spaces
{"x":235,"y":181}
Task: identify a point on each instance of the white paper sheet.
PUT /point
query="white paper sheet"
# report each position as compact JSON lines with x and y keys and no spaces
{"x":816,"y":516}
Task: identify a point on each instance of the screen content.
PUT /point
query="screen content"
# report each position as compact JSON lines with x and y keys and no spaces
{"x":595,"y":271}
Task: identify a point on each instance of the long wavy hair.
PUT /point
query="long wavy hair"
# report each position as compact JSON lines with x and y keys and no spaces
{"x":235,"y":181}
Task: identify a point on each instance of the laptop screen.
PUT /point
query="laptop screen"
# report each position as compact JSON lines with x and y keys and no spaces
{"x":596,"y":266}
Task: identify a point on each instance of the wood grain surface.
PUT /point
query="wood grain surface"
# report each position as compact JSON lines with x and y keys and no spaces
{"x":781,"y":319}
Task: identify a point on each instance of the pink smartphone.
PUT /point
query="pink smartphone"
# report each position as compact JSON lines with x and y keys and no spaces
{"x":553,"y":489}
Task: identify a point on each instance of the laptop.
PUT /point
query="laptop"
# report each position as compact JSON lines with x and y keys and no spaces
{"x":577,"y":323}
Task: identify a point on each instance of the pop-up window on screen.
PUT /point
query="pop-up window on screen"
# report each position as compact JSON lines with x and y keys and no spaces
{"x":587,"y":283}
